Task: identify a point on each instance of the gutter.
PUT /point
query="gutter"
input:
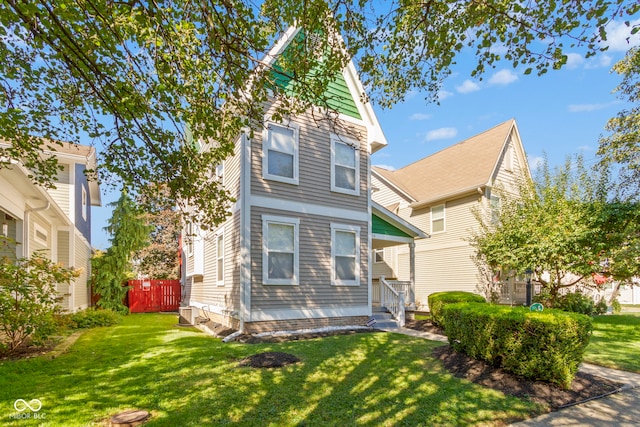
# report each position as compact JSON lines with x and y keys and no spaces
{"x":469,"y":190}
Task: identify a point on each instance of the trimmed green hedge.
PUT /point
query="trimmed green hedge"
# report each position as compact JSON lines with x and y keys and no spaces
{"x":439,"y":299}
{"x":546,"y":346}
{"x":92,"y":318}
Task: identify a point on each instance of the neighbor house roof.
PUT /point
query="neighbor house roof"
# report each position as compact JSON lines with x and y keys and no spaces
{"x":461,"y":168}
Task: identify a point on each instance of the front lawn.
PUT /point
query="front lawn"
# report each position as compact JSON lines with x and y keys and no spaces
{"x":615,"y":342}
{"x":184,"y":377}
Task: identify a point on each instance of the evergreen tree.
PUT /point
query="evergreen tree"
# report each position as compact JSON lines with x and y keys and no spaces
{"x":130,"y":233}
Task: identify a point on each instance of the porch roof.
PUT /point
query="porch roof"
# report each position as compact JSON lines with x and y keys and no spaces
{"x":388,"y":229}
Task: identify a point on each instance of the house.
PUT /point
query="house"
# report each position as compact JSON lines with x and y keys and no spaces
{"x":295,"y":250}
{"x":438,"y":194}
{"x":55,"y":222}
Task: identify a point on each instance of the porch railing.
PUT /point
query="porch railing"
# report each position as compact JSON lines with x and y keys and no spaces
{"x":393,"y":298}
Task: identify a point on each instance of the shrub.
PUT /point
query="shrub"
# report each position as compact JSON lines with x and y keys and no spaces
{"x":28,"y":300}
{"x":575,"y":302}
{"x":546,"y":346}
{"x":92,"y":318}
{"x":439,"y":299}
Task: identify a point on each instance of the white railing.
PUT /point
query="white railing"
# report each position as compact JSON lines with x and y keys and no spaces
{"x":393,"y":299}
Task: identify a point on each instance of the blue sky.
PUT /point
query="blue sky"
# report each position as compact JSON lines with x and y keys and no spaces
{"x":561,"y":113}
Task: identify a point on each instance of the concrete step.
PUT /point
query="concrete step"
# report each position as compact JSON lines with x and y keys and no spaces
{"x":384,"y":321}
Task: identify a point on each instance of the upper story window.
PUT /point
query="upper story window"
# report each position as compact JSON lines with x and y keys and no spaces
{"x":280,"y":153}
{"x":437,"y":219}
{"x":345,"y":254}
{"x":84,"y":203}
{"x":280,"y":251}
{"x":508,"y":157}
{"x":345,"y":165}
{"x":220,"y":259}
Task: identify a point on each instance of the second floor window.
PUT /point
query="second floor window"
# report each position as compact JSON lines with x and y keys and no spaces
{"x":345,"y":161}
{"x":280,"y":153}
{"x":437,"y":219}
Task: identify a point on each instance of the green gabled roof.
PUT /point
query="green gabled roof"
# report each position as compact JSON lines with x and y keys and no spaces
{"x":380,"y":226}
{"x":337,"y":95}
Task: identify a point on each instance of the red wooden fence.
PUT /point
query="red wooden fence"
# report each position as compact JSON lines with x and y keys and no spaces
{"x":147,"y":296}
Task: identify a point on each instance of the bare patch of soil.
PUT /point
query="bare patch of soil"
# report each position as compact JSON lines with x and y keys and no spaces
{"x":584,"y":387}
{"x":272,"y":359}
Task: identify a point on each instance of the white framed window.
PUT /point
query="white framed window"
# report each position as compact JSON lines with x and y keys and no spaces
{"x":280,"y":250}
{"x":378,"y":256}
{"x":220,"y":259}
{"x":188,"y":238}
{"x":280,"y":153}
{"x":345,"y":255}
{"x":40,"y":234}
{"x":345,"y":165}
{"x":84,"y":203}
{"x":437,"y":219}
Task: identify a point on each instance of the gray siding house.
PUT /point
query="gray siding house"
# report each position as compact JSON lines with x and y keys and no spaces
{"x":295,"y":250}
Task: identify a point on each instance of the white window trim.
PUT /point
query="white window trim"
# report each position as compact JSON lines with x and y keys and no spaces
{"x":265,"y":154}
{"x":189,"y":238}
{"x":345,"y":228}
{"x":444,"y":219}
{"x":350,"y":142}
{"x":84,"y":203}
{"x":219,"y":257}
{"x":37,"y":228}
{"x":381,"y":251}
{"x":295,"y":222}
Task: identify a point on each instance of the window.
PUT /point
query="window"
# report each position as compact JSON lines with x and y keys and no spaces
{"x":280,"y":158}
{"x":220,"y":260}
{"x":345,"y":161}
{"x":508,"y":157}
{"x":280,"y":257}
{"x":437,"y":219}
{"x":189,"y":238}
{"x":378,"y":256}
{"x":345,"y":255}
{"x":84,"y":203}
{"x":40,"y":234}
{"x":494,"y":202}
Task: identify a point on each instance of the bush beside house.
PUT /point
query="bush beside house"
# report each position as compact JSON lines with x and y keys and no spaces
{"x":546,"y":346}
{"x":438,"y":300}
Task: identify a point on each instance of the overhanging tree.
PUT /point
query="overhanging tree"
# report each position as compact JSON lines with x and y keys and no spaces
{"x":563,"y":227}
{"x":148,"y":80}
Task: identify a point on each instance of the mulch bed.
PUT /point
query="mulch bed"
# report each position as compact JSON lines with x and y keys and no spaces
{"x":584,"y":387}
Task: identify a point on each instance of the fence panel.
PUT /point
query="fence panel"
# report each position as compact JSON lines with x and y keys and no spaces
{"x":146,"y":296}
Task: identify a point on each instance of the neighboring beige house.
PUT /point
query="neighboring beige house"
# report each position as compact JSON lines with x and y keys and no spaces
{"x":438,"y":195}
{"x":295,"y":250}
{"x":56,"y":222}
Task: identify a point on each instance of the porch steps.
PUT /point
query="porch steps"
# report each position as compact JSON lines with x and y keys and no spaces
{"x":384,"y":320}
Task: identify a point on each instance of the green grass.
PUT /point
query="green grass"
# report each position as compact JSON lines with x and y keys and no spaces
{"x":184,"y":377}
{"x":615,"y":342}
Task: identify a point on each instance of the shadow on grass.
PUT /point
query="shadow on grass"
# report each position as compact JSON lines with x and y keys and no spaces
{"x":184,"y":377}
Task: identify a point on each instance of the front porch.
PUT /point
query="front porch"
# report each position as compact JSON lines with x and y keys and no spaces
{"x":389,"y":230}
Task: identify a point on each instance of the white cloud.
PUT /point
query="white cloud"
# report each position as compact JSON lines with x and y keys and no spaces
{"x":585,"y":148}
{"x":387,"y":167}
{"x":503,"y":77}
{"x":599,"y":61}
{"x":536,"y":162}
{"x":442,"y":133}
{"x":619,"y":37}
{"x":467,"y":87}
{"x":444,"y":94}
{"x":574,"y":60}
{"x":419,"y":116}
{"x":581,"y":108}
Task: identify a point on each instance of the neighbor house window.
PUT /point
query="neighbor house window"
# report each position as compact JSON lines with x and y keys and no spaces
{"x":345,"y":162}
{"x":40,"y":234}
{"x":437,"y":219}
{"x":84,"y":203}
{"x":220,"y":259}
{"x":280,"y":158}
{"x":280,"y":257}
{"x":378,"y":255}
{"x":345,"y":254}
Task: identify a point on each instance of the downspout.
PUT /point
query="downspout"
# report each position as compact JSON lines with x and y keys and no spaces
{"x":245,"y":232}
{"x":26,"y":228}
